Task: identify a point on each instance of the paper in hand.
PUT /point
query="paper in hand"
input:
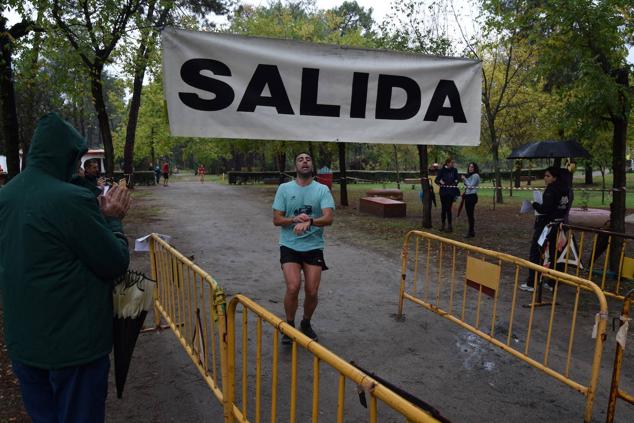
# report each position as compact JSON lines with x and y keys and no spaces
{"x":526,"y":207}
{"x":538,"y":196}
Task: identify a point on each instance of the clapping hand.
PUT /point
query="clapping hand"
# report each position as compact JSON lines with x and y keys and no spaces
{"x":115,"y":203}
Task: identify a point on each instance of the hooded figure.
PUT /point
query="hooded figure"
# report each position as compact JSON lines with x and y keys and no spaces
{"x":59,"y":256}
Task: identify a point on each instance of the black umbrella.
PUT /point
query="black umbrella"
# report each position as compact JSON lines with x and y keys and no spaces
{"x":132,"y":298}
{"x":549,"y":149}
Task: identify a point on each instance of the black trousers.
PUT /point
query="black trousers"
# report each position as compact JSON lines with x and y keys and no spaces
{"x":446,"y":201}
{"x":470,"y":201}
{"x":535,"y":255}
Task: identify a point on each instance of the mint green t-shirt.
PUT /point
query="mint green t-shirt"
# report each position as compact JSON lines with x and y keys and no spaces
{"x":293,"y":199}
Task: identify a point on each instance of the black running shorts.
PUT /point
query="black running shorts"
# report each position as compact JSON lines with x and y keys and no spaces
{"x":312,"y":257}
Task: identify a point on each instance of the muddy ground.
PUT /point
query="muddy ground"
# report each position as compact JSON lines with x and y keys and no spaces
{"x":229,"y":232}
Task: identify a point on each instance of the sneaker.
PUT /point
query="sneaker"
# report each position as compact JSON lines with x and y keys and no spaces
{"x":526,"y":287}
{"x":286,"y":340}
{"x":308,"y":330}
{"x":547,"y":287}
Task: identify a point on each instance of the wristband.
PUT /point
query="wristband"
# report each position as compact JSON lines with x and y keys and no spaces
{"x":312,"y":221}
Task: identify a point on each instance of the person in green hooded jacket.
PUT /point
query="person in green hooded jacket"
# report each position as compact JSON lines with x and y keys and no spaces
{"x":61,"y":250}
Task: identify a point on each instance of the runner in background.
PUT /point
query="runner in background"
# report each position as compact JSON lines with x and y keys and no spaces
{"x":201,"y":172}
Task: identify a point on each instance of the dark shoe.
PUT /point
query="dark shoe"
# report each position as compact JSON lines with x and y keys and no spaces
{"x":286,"y":340}
{"x":450,"y":229}
{"x":308,"y":330}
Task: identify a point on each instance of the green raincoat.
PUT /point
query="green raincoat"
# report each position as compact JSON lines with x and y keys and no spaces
{"x":58,"y":256}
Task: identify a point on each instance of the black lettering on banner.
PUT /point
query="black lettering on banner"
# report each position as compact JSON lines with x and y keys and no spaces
{"x":359,"y":97}
{"x":308,"y":105}
{"x":191,"y":75}
{"x":266,"y":75}
{"x":445,"y":89}
{"x":386,"y":85}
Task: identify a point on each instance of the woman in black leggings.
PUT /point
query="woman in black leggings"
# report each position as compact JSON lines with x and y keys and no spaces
{"x":447,"y":179}
{"x":471,"y":181}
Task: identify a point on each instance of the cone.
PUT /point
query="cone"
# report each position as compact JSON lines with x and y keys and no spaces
{"x":125,"y":332}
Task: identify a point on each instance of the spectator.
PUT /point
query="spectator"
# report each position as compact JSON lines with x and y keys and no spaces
{"x":447,"y":180}
{"x":157,"y":174}
{"x":60,"y":250}
{"x":471,"y":182}
{"x":553,"y":208}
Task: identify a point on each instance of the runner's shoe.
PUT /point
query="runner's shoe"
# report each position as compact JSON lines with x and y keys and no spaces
{"x":526,"y":287}
{"x":308,"y":330}
{"x":286,"y":340}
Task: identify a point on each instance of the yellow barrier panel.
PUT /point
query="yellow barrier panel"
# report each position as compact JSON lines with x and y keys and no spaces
{"x":615,"y":391}
{"x":194,"y":306}
{"x":344,"y":372}
{"x":489,"y":292}
{"x":603,"y":257}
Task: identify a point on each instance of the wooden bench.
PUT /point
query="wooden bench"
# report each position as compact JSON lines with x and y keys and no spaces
{"x":382,"y":207}
{"x":392,"y":193}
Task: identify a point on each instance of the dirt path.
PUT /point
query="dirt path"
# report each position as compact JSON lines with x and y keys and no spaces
{"x":228,"y":230}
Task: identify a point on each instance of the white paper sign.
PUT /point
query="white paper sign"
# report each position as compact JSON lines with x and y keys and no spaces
{"x":143,"y":243}
{"x":229,"y":86}
{"x":526,"y":207}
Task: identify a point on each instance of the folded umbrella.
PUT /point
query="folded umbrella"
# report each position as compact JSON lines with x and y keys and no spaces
{"x":132,"y":298}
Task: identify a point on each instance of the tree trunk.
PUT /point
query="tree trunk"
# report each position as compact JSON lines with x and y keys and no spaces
{"x":133,"y":118}
{"x":398,"y":175}
{"x":588,"y":175}
{"x":423,"y":162}
{"x":102,"y":117}
{"x":617,"y":213}
{"x":343,"y":182}
{"x":7,"y":99}
{"x":498,"y":176}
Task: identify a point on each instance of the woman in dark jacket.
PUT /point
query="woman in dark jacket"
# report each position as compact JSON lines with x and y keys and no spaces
{"x":447,"y":179}
{"x":553,"y":208}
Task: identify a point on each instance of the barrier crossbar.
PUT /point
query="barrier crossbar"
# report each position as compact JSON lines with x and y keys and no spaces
{"x":346,"y":373}
{"x":478,"y":289}
{"x":195,"y":308}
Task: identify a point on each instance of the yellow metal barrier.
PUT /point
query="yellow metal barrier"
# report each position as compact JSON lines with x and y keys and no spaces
{"x":478,"y":290}
{"x":194,"y":306}
{"x":589,"y":254}
{"x":615,"y":391}
{"x":343,"y":371}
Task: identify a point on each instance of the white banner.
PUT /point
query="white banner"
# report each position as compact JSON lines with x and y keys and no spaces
{"x":229,"y":86}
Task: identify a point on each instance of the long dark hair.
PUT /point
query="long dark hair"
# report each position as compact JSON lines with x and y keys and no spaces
{"x":476,"y":169}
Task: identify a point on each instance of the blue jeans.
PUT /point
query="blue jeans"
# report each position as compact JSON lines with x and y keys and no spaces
{"x":74,"y":394}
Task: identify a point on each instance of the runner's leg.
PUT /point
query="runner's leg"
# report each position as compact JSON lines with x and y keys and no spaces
{"x":292,"y":277}
{"x":312,"y":277}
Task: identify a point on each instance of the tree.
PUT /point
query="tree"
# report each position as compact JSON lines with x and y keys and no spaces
{"x":149,"y":22}
{"x":416,"y":27}
{"x":11,"y":131}
{"x":93,"y":28}
{"x":582,"y":49}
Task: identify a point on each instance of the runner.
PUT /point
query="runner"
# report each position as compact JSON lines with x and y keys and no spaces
{"x":302,"y":208}
{"x":201,"y":172}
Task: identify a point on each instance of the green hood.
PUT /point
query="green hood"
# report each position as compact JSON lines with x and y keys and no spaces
{"x":56,"y":147}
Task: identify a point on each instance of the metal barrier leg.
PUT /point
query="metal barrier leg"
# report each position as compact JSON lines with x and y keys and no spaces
{"x":618,"y":361}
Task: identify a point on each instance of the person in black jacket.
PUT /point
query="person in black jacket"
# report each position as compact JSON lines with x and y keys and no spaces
{"x":447,"y":179}
{"x":553,"y":208}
